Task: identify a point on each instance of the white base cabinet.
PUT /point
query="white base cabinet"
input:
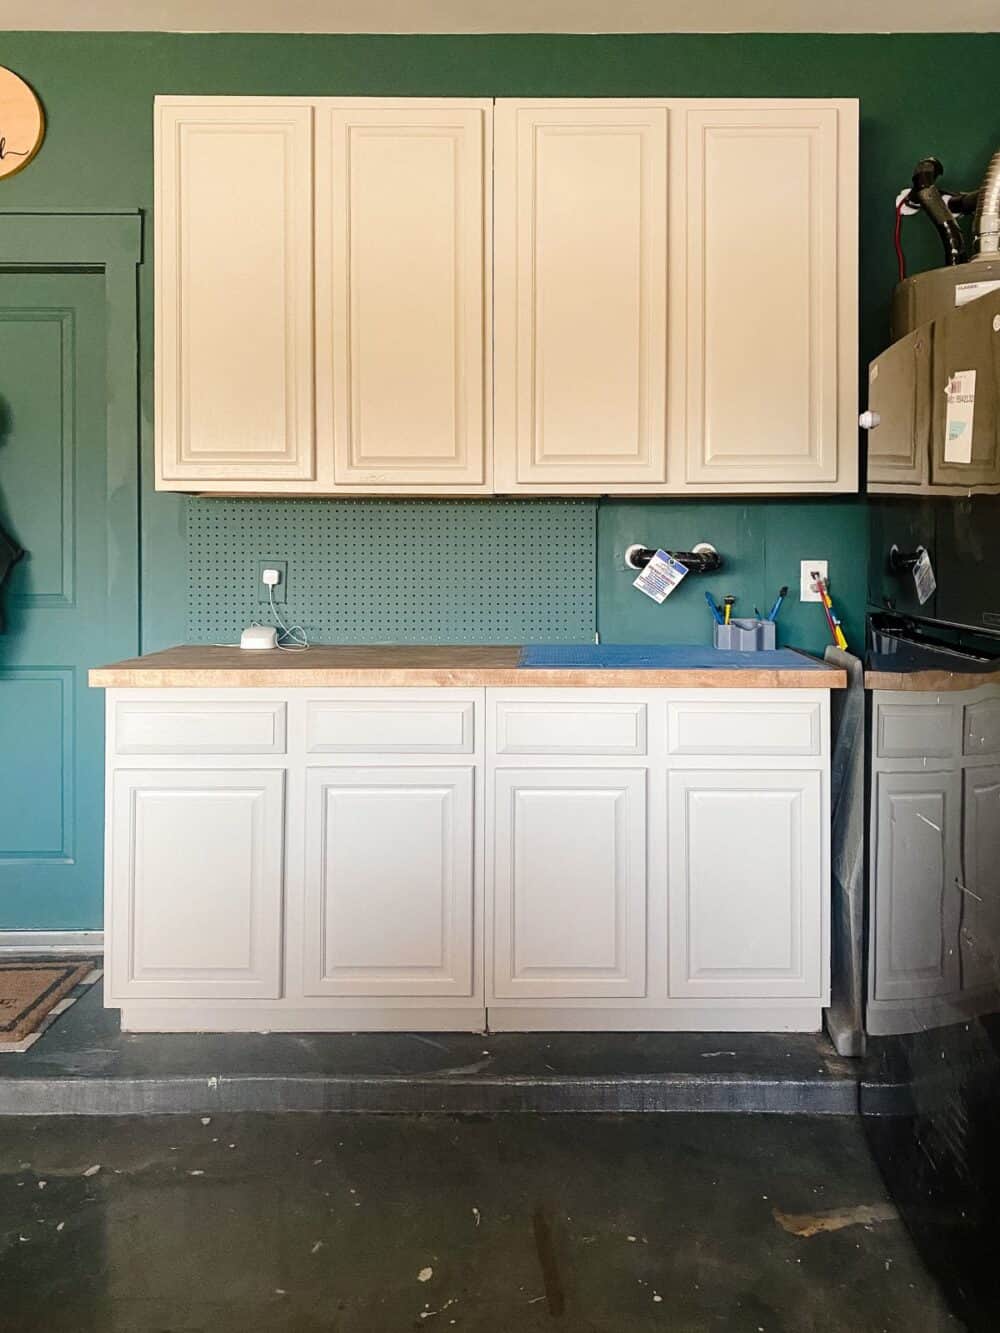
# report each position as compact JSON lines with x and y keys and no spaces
{"x":443,"y":859}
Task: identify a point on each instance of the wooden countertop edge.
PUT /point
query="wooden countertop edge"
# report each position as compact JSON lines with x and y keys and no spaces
{"x":930,"y":682}
{"x":809,"y":678}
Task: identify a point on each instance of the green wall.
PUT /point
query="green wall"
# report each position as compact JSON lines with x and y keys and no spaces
{"x":919,"y":94}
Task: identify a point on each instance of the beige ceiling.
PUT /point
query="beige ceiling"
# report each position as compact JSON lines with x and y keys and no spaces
{"x":471,"y":16}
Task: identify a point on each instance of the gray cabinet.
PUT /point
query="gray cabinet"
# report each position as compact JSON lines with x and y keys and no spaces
{"x":934,"y":888}
{"x":916,"y":907}
{"x":980,"y":882}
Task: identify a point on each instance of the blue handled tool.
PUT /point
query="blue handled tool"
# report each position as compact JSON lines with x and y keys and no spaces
{"x":716,"y":613}
{"x":782,"y":594}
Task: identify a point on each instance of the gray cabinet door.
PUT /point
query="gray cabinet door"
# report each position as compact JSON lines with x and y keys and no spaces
{"x":968,"y":340}
{"x":981,"y":878}
{"x":916,"y":906}
{"x":899,"y":390}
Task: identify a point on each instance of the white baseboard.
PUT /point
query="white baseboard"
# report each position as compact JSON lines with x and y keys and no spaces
{"x":69,"y":942}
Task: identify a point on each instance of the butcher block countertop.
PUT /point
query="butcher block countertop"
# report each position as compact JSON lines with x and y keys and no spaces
{"x":202,"y":666}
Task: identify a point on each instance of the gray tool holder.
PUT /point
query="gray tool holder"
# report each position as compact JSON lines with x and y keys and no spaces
{"x":746,"y":636}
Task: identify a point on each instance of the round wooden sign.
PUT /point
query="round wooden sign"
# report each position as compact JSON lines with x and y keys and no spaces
{"x":22,"y":123}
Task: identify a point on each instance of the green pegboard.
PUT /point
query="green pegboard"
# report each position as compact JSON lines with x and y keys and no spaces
{"x":397,"y":571}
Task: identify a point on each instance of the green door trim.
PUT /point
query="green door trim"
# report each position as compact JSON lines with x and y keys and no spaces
{"x":110,"y":243}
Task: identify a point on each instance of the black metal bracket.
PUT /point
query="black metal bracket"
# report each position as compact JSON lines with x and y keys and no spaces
{"x":902,"y":561}
{"x":704,"y":559}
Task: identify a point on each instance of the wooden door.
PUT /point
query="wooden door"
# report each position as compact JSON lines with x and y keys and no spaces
{"x":195,"y":884}
{"x":569,"y":883}
{"x":390,"y":882}
{"x":745,"y":890}
{"x":403,"y":204}
{"x":67,"y":498}
{"x":915,"y":907}
{"x":580,"y":290}
{"x":234,"y":293}
{"x":769,"y":267}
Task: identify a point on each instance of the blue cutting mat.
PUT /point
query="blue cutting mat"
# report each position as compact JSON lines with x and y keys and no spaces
{"x":659,"y":657}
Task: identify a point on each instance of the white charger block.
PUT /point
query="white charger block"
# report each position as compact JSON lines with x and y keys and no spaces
{"x":259,"y":638}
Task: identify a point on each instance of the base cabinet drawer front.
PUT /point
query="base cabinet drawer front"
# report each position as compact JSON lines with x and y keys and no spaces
{"x":390,"y":726}
{"x":745,"y":884}
{"x":179,"y":726}
{"x":569,"y":883}
{"x":981,"y":734}
{"x":524,"y":726}
{"x":763,"y":728}
{"x":916,"y":905}
{"x":195,"y":881}
{"x":390,"y":882}
{"x":916,"y":731}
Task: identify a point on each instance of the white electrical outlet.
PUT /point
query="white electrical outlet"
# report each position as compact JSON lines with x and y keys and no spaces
{"x":807,"y":593}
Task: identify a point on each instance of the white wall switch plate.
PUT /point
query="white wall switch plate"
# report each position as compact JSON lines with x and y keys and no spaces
{"x":807,"y":593}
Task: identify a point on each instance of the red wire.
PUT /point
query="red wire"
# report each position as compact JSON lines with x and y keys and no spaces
{"x":897,"y":240}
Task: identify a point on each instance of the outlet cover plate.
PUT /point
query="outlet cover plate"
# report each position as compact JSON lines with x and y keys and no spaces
{"x":806,"y":591}
{"x":281,"y":588}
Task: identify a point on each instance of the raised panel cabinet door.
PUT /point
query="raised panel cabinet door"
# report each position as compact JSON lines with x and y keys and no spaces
{"x":899,"y":390}
{"x":980,"y":934}
{"x":195,"y":883}
{"x":746,"y":884}
{"x":234,"y":292}
{"x":404,"y":205}
{"x":390,"y":881}
{"x":581,"y":295}
{"x":770,"y":341}
{"x":569,"y":883}
{"x":915,"y":917}
{"x":967,"y":338}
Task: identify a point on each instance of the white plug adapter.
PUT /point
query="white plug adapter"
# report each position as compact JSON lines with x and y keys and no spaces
{"x":270,"y":578}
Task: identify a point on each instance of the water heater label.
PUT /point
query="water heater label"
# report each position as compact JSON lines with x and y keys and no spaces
{"x":961,"y":391}
{"x":972,"y":291}
{"x":660,"y":577}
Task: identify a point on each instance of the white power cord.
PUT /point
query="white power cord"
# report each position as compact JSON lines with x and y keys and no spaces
{"x":292,"y":639}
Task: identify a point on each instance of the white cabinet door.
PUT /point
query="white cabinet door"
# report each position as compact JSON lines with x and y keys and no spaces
{"x":569,"y":883}
{"x":580,"y":291}
{"x":390,"y":881}
{"x":981,"y":878}
{"x":745,"y":889}
{"x":770,"y":271}
{"x":403,"y":209}
{"x":195,"y":883}
{"x":916,"y":900}
{"x":234,"y":292}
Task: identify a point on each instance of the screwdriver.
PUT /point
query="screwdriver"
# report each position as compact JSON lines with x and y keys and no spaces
{"x":727,"y":602}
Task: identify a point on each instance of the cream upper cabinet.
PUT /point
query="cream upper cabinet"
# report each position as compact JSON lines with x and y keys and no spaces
{"x":402,"y":308}
{"x":580,"y":292}
{"x":457,"y":296}
{"x":234,"y":294}
{"x":764,"y":296}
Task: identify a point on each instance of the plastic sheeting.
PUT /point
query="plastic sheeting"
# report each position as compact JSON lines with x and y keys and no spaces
{"x":845,"y":1016}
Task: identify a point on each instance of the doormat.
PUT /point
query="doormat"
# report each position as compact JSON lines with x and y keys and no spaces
{"x":34,"y":991}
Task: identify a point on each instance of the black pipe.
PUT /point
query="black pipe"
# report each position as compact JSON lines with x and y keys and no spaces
{"x":697,"y":562}
{"x":926,"y":195}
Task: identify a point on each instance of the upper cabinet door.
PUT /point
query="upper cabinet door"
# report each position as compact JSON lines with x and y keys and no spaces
{"x":900,"y":392}
{"x":769,"y":213}
{"x":403,"y":210}
{"x":234,"y":292}
{"x":581,"y":298}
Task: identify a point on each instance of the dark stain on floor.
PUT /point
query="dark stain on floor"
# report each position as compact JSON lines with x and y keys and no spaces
{"x":356,"y":1224}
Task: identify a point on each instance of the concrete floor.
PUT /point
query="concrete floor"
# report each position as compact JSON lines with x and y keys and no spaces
{"x":356,"y":1224}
